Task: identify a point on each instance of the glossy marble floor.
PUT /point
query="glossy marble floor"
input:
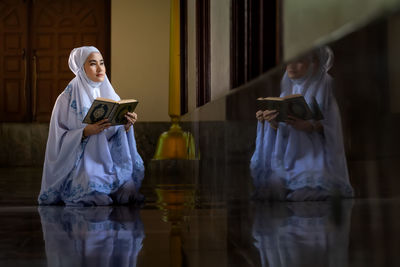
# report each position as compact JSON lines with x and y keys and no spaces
{"x":178,"y":228}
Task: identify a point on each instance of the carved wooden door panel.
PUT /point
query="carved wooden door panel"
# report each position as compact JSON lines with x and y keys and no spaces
{"x":57,"y":27}
{"x":13,"y":61}
{"x":54,"y":28}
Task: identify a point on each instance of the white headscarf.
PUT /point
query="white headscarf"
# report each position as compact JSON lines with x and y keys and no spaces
{"x":301,"y":158}
{"x":317,"y":74}
{"x":83,"y":90}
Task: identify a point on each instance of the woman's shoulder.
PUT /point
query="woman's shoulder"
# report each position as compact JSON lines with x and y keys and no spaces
{"x":64,"y":97}
{"x":67,"y":91}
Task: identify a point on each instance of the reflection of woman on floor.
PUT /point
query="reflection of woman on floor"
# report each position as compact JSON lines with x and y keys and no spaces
{"x":92,"y":236}
{"x":302,"y":234}
{"x":89,"y":164}
{"x":301,"y":160}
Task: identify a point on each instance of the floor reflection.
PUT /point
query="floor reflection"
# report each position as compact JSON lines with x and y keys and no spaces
{"x":97,"y":236}
{"x":303,"y":233}
{"x":176,"y":202}
{"x":175,"y":187}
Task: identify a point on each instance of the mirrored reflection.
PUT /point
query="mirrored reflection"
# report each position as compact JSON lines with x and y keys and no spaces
{"x":302,"y":233}
{"x":175,"y":184}
{"x":299,"y":153}
{"x":95,"y":236}
{"x":176,"y":202}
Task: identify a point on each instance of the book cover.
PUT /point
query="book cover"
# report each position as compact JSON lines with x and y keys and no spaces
{"x":114,"y":111}
{"x":294,"y":105}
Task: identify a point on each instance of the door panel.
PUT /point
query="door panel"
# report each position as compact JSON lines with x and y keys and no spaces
{"x":13,"y":68}
{"x":57,"y":27}
{"x":34,"y":54}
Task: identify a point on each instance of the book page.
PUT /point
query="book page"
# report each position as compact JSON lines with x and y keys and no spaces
{"x":127,"y":101}
{"x":293,"y":96}
{"x":274,"y":98}
{"x":106,"y":99}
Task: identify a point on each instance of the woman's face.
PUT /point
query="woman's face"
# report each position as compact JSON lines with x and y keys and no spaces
{"x":94,"y":67}
{"x":298,"y":68}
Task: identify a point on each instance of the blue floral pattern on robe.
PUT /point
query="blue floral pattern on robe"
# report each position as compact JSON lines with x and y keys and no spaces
{"x":75,"y":169}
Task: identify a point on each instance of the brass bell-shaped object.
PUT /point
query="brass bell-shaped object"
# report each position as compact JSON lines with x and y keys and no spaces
{"x":175,"y":144}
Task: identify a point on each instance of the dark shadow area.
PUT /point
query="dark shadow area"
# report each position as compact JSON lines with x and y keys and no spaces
{"x":366,"y":80}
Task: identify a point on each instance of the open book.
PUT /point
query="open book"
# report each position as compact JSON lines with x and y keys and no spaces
{"x":294,"y":105}
{"x":114,"y":111}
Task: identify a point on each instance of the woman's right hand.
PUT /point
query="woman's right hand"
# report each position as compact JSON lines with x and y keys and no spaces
{"x":270,"y":116}
{"x":259,"y":116}
{"x":96,"y":128}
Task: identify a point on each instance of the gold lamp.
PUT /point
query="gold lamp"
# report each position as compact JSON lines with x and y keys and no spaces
{"x":174,"y":164}
{"x":175,"y":143}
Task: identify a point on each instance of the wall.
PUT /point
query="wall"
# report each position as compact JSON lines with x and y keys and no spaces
{"x":140,"y":43}
{"x":394,"y":63}
{"x":309,"y":22}
{"x":140,"y":54}
{"x":220,"y":12}
{"x":219,"y":58}
{"x":191,"y":54}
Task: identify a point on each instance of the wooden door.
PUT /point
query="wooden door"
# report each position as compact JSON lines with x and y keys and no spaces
{"x":13,"y":60}
{"x":55,"y":27}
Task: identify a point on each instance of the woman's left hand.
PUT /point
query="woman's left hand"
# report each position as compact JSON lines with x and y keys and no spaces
{"x":131,"y":117}
{"x":300,"y":124}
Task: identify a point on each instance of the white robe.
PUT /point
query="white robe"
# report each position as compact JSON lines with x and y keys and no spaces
{"x":289,"y":164}
{"x":300,"y":234}
{"x":86,"y":172}
{"x":92,"y":236}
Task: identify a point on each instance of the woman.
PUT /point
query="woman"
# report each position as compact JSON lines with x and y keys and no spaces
{"x":95,"y":236}
{"x":96,"y":164}
{"x":299,"y":234}
{"x":301,"y":160}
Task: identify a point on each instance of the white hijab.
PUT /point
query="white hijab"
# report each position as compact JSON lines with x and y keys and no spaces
{"x":82,"y":89}
{"x":310,"y":84}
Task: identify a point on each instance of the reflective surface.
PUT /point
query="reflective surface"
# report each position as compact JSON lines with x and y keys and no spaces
{"x":303,"y":233}
{"x":186,"y":224}
{"x":366,"y":87}
{"x":199,"y":213}
{"x":348,"y":233}
{"x":97,"y":236}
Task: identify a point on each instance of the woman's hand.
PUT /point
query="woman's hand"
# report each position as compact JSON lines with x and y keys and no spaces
{"x":96,"y":128}
{"x":259,"y":116}
{"x":132,"y":118}
{"x":300,"y":124}
{"x":270,"y":116}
